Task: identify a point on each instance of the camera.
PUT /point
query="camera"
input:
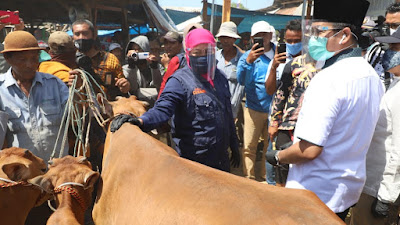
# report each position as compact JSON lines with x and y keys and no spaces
{"x":139,"y":55}
{"x":368,"y":35}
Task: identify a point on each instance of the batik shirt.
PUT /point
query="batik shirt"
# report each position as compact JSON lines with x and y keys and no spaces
{"x":289,"y":95}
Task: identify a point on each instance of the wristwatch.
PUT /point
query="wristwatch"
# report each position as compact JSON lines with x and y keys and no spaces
{"x":277,"y":158}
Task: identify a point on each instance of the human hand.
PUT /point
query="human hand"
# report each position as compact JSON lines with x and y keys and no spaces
{"x":74,"y":74}
{"x":21,"y":25}
{"x":380,"y":209}
{"x":165,"y":60}
{"x":124,"y":118}
{"x":2,"y":25}
{"x":272,"y":131}
{"x":254,"y":53}
{"x":123,"y":84}
{"x":278,"y":58}
{"x":235,"y":157}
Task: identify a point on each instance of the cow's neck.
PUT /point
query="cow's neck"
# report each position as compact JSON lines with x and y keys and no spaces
{"x":68,"y":203}
{"x":16,"y":202}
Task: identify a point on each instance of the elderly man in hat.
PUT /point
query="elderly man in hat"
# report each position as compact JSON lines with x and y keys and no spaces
{"x":62,"y":52}
{"x":34,"y":101}
{"x":251,"y":71}
{"x":227,"y":60}
{"x":116,"y":49}
{"x":339,"y":112}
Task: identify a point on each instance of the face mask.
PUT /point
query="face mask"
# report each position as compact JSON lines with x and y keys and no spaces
{"x":390,"y":59}
{"x":84,"y":45}
{"x":294,"y":49}
{"x":200,"y":64}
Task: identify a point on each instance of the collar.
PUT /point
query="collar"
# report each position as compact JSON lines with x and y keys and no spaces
{"x":9,"y":80}
{"x":352,"y":52}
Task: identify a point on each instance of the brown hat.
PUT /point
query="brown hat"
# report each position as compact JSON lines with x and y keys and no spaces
{"x":20,"y":41}
{"x":60,"y":42}
{"x":172,"y":36}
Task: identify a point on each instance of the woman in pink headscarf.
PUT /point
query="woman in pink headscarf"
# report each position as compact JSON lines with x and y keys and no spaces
{"x":198,"y":100}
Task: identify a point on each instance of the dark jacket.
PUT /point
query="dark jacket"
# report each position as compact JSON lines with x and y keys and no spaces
{"x":203,"y":126}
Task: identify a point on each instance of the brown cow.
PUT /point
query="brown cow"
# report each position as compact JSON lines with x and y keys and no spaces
{"x":73,"y":179}
{"x":17,"y":196}
{"x":146,"y":182}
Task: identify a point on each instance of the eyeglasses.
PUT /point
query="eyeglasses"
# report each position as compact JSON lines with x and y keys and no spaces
{"x":318,"y":30}
{"x":201,"y":52}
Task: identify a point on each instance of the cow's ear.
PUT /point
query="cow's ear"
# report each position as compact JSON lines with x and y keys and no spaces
{"x":90,"y":179}
{"x":105,"y":105}
{"x":46,"y":185}
{"x":16,"y":171}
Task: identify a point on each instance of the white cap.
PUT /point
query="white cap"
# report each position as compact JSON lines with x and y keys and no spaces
{"x":114,"y":46}
{"x":260,"y":26}
{"x":228,"y":29}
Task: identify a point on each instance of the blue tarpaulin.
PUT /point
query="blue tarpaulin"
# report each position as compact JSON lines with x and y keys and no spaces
{"x":143,"y":29}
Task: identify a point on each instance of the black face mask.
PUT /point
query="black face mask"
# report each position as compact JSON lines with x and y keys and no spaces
{"x":84,"y":45}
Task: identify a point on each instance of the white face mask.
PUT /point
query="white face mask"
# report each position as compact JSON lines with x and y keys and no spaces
{"x":392,"y":31}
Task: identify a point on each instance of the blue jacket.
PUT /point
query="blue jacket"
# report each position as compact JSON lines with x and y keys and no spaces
{"x":203,"y":126}
{"x":252,"y":76}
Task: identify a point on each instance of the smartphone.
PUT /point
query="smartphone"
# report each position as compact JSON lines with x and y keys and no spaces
{"x":281,"y":47}
{"x":13,"y":18}
{"x":260,"y":42}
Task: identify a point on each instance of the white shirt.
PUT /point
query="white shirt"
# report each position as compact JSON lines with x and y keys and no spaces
{"x":339,"y":113}
{"x":383,"y":157}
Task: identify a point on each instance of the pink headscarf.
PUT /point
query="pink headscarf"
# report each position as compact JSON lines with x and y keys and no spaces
{"x":196,"y":37}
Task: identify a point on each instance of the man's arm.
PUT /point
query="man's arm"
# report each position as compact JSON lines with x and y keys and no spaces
{"x":299,"y":152}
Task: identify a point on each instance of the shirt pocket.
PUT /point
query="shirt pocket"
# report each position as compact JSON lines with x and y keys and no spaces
{"x":50,"y":112}
{"x":204,"y":108}
{"x":14,"y":119}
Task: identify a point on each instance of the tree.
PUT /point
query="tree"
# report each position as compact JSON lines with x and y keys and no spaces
{"x":238,"y":5}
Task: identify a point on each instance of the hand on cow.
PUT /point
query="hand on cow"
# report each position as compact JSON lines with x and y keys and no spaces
{"x":380,"y":209}
{"x":124,"y":118}
{"x":271,"y":157}
{"x":235,"y":157}
{"x":123,"y":84}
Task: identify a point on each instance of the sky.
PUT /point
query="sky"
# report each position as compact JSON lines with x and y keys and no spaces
{"x":250,"y":4}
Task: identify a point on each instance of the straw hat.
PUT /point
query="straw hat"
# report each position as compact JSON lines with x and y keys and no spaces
{"x":20,"y":41}
{"x":228,"y":29}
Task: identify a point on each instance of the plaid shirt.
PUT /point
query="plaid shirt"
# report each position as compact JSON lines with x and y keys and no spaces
{"x":107,"y":67}
{"x":288,"y":98}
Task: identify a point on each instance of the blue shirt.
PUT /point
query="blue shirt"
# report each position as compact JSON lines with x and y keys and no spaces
{"x":34,"y":120}
{"x":252,"y":76}
{"x":230,"y":70}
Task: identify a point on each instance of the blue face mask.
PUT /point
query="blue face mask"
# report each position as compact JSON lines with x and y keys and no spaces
{"x":390,"y":59}
{"x":294,"y":49}
{"x":317,"y":48}
{"x":199,"y":64}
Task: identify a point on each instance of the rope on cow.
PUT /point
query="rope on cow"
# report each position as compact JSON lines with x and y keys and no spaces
{"x":81,"y":105}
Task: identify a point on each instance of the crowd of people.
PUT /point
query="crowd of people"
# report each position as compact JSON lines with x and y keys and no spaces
{"x":321,"y":111}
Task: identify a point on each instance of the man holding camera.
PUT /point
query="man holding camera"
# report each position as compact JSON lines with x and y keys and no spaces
{"x":251,"y":71}
{"x":142,"y":70}
{"x":105,"y":66}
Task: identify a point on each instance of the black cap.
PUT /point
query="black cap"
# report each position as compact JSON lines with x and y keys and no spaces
{"x":341,"y":11}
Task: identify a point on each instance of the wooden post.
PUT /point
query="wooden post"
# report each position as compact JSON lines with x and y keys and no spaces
{"x":125,"y":27}
{"x":226,"y":11}
{"x":204,"y":15}
{"x":309,"y":6}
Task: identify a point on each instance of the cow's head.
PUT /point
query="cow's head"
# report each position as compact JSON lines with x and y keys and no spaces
{"x":123,"y":105}
{"x":68,"y":169}
{"x":20,"y":164}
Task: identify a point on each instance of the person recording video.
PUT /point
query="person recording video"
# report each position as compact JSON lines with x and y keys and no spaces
{"x":143,"y":70}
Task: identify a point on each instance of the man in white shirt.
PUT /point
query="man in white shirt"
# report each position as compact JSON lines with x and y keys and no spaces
{"x":339,"y":113}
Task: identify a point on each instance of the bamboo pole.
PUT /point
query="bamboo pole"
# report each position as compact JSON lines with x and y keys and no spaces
{"x":226,"y":11}
{"x":204,"y":15}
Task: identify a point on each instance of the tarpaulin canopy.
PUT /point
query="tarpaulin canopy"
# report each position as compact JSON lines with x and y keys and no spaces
{"x":278,"y":21}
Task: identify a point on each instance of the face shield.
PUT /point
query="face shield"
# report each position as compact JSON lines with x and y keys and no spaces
{"x":202,"y":60}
